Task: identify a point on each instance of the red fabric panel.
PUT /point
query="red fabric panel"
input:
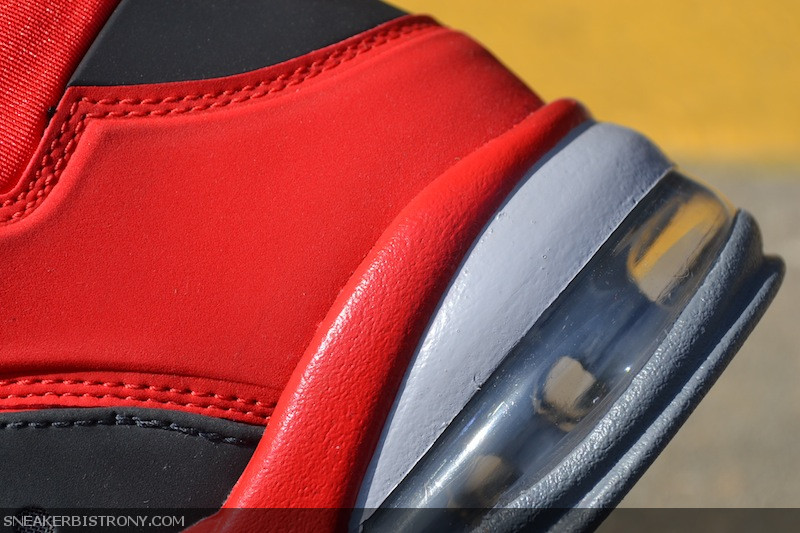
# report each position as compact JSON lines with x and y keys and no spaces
{"x":202,"y":230}
{"x":41,"y":43}
{"x":312,"y":455}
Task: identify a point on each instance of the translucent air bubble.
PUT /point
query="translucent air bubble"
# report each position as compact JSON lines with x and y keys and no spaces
{"x":568,"y":393}
{"x":672,"y":241}
{"x":563,"y":375}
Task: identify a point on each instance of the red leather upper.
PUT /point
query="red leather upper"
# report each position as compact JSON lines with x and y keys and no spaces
{"x":178,"y":245}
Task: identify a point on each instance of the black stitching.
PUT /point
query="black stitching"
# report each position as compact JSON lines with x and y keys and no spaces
{"x":127,"y":420}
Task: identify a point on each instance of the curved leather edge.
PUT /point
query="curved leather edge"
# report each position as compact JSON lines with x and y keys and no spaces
{"x":547,"y":230}
{"x":310,"y":459}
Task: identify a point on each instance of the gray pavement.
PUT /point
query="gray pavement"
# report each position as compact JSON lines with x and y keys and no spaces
{"x":741,"y":447}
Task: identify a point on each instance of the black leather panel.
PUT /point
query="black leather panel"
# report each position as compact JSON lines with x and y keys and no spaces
{"x":127,"y":457}
{"x":153,"y":41}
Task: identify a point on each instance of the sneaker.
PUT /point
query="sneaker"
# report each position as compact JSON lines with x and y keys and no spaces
{"x":316,"y":254}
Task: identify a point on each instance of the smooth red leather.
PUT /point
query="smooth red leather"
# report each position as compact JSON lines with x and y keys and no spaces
{"x":324,"y":430}
{"x":178,"y":245}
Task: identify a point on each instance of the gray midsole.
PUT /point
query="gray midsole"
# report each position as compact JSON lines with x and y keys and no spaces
{"x":549,"y":227}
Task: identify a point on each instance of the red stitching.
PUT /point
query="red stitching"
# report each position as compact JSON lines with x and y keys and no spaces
{"x":67,"y":138}
{"x":44,"y":183}
{"x":136,"y":386}
{"x":334,"y":59}
{"x":134,"y":399}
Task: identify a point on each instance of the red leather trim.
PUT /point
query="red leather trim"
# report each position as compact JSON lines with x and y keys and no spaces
{"x":324,"y":429}
{"x":204,"y":229}
{"x":235,"y":401}
{"x":41,"y":43}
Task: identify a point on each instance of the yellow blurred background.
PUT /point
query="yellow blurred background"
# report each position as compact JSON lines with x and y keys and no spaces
{"x":707,"y":80}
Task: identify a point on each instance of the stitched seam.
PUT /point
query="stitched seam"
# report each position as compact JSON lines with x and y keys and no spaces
{"x":44,"y":182}
{"x":334,"y":59}
{"x":50,"y":167}
{"x":133,"y":399}
{"x":125,"y":420}
{"x":135,"y":386}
